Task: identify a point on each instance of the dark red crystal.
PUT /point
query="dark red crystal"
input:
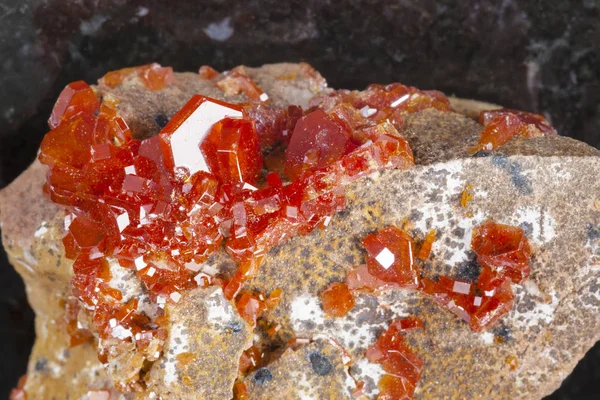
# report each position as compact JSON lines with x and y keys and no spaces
{"x":391,"y":257}
{"x":502,"y":250}
{"x":316,"y":142}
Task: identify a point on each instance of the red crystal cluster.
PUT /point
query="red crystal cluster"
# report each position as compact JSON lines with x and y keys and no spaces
{"x":502,"y":125}
{"x":402,"y":366}
{"x":503,"y":251}
{"x":380,"y":103}
{"x":162,"y":205}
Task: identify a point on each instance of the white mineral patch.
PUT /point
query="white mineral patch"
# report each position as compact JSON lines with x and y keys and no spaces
{"x":444,"y":210}
{"x":124,"y":280}
{"x":41,"y":231}
{"x":306,"y":308}
{"x":560,"y":172}
{"x":542,"y":223}
{"x":532,"y":288}
{"x":369,"y":370}
{"x":487,"y":337}
{"x":176,"y":344}
{"x":541,"y":314}
{"x":130,"y":286}
{"x":220,"y":31}
{"x":219,"y":312}
{"x":30,"y":259}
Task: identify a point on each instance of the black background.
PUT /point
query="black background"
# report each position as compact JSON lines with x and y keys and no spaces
{"x":540,"y":56}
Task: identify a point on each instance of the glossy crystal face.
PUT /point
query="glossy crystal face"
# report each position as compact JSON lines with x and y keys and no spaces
{"x":183,"y":135}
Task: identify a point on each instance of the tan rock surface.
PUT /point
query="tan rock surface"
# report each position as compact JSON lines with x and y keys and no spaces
{"x":205,"y":334}
{"x":549,"y":186}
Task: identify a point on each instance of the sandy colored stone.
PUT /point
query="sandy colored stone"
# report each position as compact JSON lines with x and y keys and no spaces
{"x":471,"y":108}
{"x":549,"y":186}
{"x":206,"y":334}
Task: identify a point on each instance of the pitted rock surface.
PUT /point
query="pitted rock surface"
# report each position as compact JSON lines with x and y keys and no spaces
{"x":315,"y":371}
{"x":548,"y":186}
{"x":203,"y":339}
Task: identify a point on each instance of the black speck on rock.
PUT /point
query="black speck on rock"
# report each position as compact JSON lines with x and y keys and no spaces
{"x":40,"y":364}
{"x":519,"y":181}
{"x":481,"y":154}
{"x":593,"y":231}
{"x":161,"y":120}
{"x":469,"y":270}
{"x":262,"y":376}
{"x":320,"y":364}
{"x":503,"y":331}
{"x":235,"y":326}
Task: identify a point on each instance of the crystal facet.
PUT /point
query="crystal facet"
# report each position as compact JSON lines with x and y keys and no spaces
{"x":182,"y":136}
{"x":337,"y":300}
{"x":502,"y":125}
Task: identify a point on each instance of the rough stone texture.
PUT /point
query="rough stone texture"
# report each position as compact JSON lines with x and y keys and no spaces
{"x":315,"y":371}
{"x":553,"y":196}
{"x":471,"y":108}
{"x":207,"y":328}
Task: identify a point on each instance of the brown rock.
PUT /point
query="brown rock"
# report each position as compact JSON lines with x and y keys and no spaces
{"x":548,"y":186}
{"x":315,"y":371}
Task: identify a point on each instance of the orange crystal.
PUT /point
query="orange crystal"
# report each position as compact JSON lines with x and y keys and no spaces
{"x":240,"y":392}
{"x":391,"y":257}
{"x":153,"y":76}
{"x":425,"y":249}
{"x":402,"y":366}
{"x":251,"y":306}
{"x":19,"y":392}
{"x":337,"y":300}
{"x":208,"y":72}
{"x":232,"y":151}
{"x":502,"y":125}
{"x":237,"y":80}
{"x":76,"y":98}
{"x":161,"y":206}
{"x":503,"y":249}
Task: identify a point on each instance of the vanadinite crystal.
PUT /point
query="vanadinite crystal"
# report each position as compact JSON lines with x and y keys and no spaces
{"x":161,"y":206}
{"x":76,"y":98}
{"x":504,"y":254}
{"x":182,"y":137}
{"x":337,"y":300}
{"x":502,"y":250}
{"x":502,"y":125}
{"x":390,"y":257}
{"x":402,"y":366}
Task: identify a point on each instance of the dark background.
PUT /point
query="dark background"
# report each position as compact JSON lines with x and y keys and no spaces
{"x":540,"y":56}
